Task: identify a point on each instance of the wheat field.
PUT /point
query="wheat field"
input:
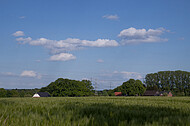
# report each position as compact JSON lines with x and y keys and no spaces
{"x":95,"y":111}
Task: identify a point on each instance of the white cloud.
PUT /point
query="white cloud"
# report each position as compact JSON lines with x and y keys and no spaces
{"x":30,"y":74}
{"x":61,"y":46}
{"x":133,"y":35}
{"x":111,"y":17}
{"x":40,"y":41}
{"x":100,"y":61}
{"x":128,"y":75}
{"x":100,"y":43}
{"x":23,"y":74}
{"x":18,"y":33}
{"x":86,"y":79}
{"x":123,"y":75}
{"x":22,"y":40}
{"x":68,"y":44}
{"x":8,"y":74}
{"x":62,"y":57}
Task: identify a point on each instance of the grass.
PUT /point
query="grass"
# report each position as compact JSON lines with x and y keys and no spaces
{"x":95,"y":111}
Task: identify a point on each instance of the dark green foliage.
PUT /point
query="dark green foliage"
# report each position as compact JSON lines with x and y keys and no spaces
{"x":165,"y":94}
{"x":3,"y":92}
{"x":88,"y":84}
{"x":176,"y":81}
{"x":110,"y":92}
{"x":131,"y":88}
{"x":106,"y":93}
{"x":17,"y":92}
{"x":13,"y":93}
{"x":65,"y":87}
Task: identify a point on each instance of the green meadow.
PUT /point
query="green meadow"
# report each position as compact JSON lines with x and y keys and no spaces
{"x":95,"y":111}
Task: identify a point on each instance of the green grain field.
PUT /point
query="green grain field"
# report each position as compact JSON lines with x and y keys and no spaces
{"x":95,"y":111}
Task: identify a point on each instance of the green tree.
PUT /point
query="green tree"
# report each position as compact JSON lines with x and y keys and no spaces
{"x":3,"y":92}
{"x":176,"y":81}
{"x":131,"y":88}
{"x":12,"y":93}
{"x":88,"y":84}
{"x":21,"y":93}
{"x":104,"y":93}
{"x":65,"y":87}
{"x":110,"y":92}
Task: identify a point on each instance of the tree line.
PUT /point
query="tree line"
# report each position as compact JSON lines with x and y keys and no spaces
{"x":176,"y":81}
{"x":17,"y":92}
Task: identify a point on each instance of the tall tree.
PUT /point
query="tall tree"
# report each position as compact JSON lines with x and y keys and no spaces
{"x":176,"y":81}
{"x":131,"y":88}
{"x":65,"y":87}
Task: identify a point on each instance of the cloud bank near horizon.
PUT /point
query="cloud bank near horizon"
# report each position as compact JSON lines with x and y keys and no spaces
{"x":33,"y":79}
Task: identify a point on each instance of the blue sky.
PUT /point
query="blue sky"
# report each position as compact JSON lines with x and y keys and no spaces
{"x":104,"y":40}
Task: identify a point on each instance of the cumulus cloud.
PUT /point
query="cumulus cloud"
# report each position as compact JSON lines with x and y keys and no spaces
{"x":111,"y":17}
{"x":69,"y":44}
{"x":62,"y":57}
{"x":18,"y":33}
{"x":25,"y":73}
{"x":100,"y":61}
{"x":30,"y":73}
{"x":59,"y":47}
{"x":133,"y":35}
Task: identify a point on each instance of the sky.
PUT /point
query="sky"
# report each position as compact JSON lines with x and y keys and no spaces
{"x":105,"y":41}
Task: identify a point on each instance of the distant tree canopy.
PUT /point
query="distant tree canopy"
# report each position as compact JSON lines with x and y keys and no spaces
{"x":3,"y":92}
{"x":17,"y":92}
{"x":176,"y":81}
{"x":66,"y":87}
{"x":131,"y":88}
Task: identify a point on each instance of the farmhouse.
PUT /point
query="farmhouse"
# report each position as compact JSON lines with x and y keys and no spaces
{"x":118,"y":93}
{"x":165,"y":92}
{"x":156,"y":93}
{"x":41,"y":94}
{"x":151,"y":93}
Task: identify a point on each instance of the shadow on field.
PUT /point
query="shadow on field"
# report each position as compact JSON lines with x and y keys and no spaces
{"x":113,"y":115}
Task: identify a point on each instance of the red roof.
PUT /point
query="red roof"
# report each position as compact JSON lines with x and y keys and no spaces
{"x":118,"y":93}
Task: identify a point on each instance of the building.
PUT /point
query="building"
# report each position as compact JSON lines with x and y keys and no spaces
{"x":151,"y":93}
{"x":41,"y":94}
{"x":118,"y":93}
{"x":157,"y":93}
{"x":162,"y":93}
